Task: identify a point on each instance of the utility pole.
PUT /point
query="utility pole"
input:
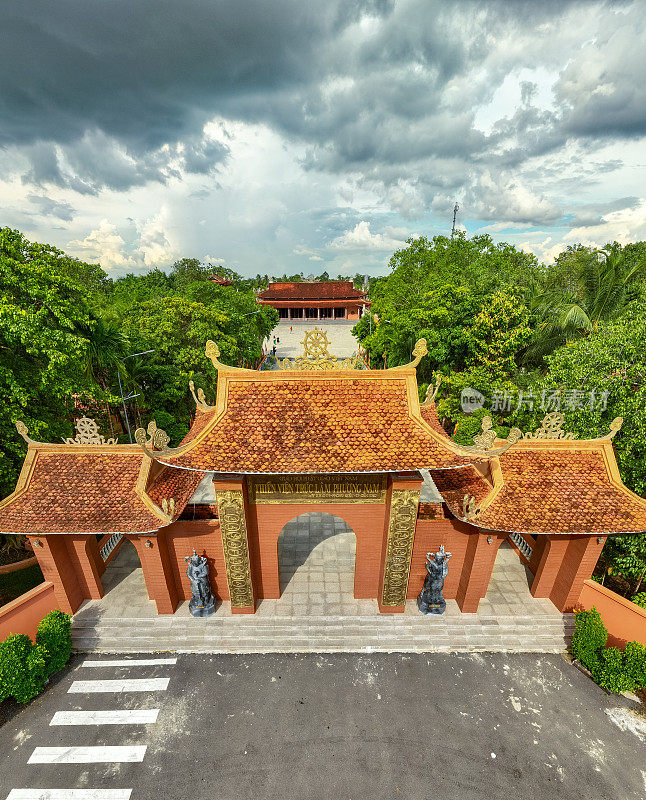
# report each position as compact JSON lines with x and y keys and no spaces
{"x":456,"y":208}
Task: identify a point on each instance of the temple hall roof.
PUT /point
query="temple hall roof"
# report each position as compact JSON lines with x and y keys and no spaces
{"x":312,"y":290}
{"x":307,"y":421}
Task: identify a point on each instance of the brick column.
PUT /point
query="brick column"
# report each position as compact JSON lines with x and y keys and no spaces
{"x":397,"y":549}
{"x":232,"y":512}
{"x":549,"y":565}
{"x":476,"y":570}
{"x":158,"y":572}
{"x":573,"y":560}
{"x":83,"y":552}
{"x":54,"y":561}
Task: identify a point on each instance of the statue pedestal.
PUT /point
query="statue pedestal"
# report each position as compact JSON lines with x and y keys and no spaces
{"x":431,"y":608}
{"x":201,"y":611}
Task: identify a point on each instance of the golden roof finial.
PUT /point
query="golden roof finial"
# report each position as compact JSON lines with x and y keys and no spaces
{"x":419,"y":351}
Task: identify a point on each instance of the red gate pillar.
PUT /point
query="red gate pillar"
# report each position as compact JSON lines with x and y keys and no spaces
{"x":84,"y":554}
{"x":232,"y":503}
{"x":397,"y":549}
{"x":54,"y":561}
{"x":158,"y":572}
{"x":567,"y":561}
{"x":476,"y":570}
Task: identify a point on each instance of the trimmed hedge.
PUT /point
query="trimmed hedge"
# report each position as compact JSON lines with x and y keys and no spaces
{"x":611,"y":668}
{"x":590,"y":637}
{"x":25,"y":666}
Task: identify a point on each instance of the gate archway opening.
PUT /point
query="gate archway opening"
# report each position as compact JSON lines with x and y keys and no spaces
{"x":316,"y":558}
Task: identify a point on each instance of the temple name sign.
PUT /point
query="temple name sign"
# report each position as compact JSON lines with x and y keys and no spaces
{"x":318,"y":489}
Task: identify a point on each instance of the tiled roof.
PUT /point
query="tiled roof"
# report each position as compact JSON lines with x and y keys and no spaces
{"x":429,"y":415}
{"x":178,"y":484}
{"x":307,"y":422}
{"x":312,"y":290}
{"x":64,"y":491}
{"x":454,"y":484}
{"x":560,"y":487}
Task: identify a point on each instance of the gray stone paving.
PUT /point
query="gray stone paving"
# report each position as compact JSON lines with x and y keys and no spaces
{"x":317,"y":611}
{"x":342,"y":342}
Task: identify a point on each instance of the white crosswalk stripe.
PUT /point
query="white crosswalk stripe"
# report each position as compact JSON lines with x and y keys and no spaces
{"x":130,"y":662}
{"x":69,"y":794}
{"x":88,"y":755}
{"x":121,"y":685}
{"x":125,"y":716}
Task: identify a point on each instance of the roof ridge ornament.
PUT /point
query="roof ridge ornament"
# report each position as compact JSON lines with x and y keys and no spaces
{"x":470,"y":507}
{"x":155,"y":442}
{"x":431,"y":392}
{"x":488,"y":436}
{"x":419,"y":351}
{"x":212,"y":351}
{"x":200,"y":398}
{"x":551,"y":428}
{"x":615,"y":427}
{"x":23,"y":430}
{"x":87,"y":433}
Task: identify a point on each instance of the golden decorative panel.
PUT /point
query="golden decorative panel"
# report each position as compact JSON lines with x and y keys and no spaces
{"x":236,"y":550}
{"x":401,"y":533}
{"x":318,"y":489}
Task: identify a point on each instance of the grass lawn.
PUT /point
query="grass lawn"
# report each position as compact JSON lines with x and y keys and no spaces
{"x":16,"y":583}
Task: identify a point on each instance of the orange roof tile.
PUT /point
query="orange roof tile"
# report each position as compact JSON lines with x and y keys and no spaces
{"x":316,"y":422}
{"x":64,"y":491}
{"x":312,"y":290}
{"x":69,"y":489}
{"x":429,"y":415}
{"x":550,"y":487}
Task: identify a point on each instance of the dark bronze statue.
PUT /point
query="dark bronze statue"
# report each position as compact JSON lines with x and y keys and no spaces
{"x":431,"y":600}
{"x":202,"y":602}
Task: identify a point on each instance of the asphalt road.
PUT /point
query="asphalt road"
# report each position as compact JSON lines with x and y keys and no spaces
{"x":341,"y":726}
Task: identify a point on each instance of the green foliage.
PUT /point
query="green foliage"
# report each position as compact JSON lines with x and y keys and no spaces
{"x":54,"y":636}
{"x":42,"y":349}
{"x":634,"y":658}
{"x":590,"y":637}
{"x":640,"y":599}
{"x":609,"y":671}
{"x":584,"y":288}
{"x":13,"y":584}
{"x":23,"y":669}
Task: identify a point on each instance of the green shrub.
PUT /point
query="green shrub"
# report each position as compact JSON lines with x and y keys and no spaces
{"x":609,"y":672}
{"x":55,"y":637}
{"x":590,"y":637}
{"x":635,"y":663}
{"x":640,"y":599}
{"x":22,"y":668}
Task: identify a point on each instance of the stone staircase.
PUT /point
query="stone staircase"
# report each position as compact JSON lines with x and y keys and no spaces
{"x":225,"y":633}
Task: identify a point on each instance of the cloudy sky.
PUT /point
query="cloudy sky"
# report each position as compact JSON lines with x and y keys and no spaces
{"x":291,"y":135}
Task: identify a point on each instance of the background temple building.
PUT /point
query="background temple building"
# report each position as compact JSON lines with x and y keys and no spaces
{"x":314,"y":300}
{"x":320,"y":436}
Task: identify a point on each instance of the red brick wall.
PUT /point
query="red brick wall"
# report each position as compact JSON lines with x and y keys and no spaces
{"x":204,"y":536}
{"x":429,"y":535}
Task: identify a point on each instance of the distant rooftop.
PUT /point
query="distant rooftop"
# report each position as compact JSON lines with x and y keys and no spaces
{"x":314,"y":290}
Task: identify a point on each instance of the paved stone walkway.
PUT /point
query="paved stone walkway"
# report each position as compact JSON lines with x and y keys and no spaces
{"x":317,"y":611}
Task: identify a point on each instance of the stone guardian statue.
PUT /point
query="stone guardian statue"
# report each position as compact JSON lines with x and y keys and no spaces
{"x":202,"y":602}
{"x":430,"y":599}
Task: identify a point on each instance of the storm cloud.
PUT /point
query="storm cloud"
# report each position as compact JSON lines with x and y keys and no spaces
{"x":387,"y":99}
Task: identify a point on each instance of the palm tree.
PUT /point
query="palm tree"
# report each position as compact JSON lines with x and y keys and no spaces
{"x":106,"y":347}
{"x":605,"y":281}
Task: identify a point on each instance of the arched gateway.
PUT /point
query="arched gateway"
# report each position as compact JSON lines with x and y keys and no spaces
{"x":319,"y":436}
